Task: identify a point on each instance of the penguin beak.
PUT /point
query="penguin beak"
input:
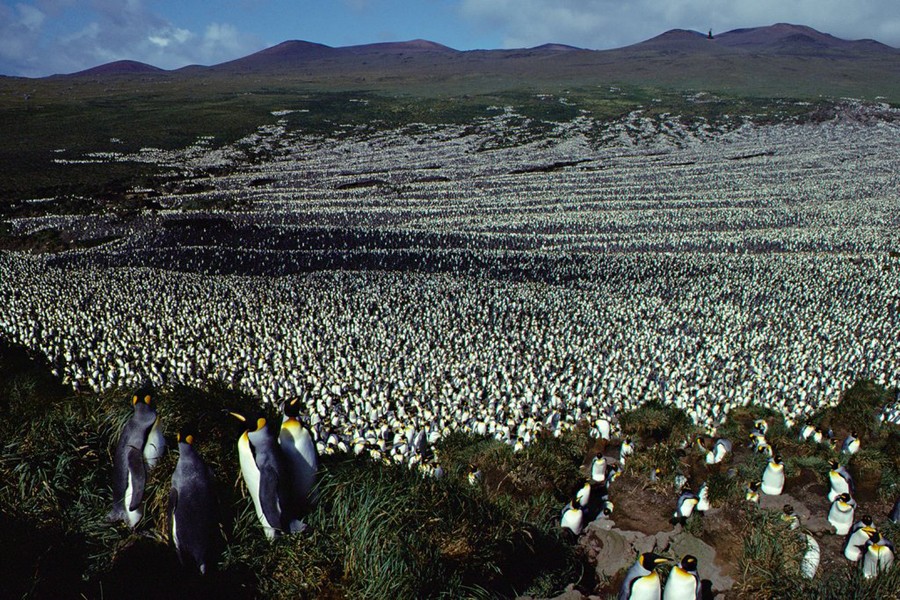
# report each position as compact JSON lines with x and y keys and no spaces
{"x":237,"y":416}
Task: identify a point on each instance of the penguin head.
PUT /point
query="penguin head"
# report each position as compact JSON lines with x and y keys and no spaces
{"x":867,"y":520}
{"x":143,"y":396}
{"x":777,"y":459}
{"x":249,"y":422}
{"x":185,"y":436}
{"x":788,"y":509}
{"x":753,"y":486}
{"x":689,"y":563}
{"x":834,"y":465}
{"x":651,"y":560}
{"x":291,"y":408}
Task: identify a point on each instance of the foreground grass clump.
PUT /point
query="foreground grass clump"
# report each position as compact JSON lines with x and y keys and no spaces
{"x":656,"y":422}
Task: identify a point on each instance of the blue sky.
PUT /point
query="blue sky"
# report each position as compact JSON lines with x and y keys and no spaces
{"x":42,"y":37}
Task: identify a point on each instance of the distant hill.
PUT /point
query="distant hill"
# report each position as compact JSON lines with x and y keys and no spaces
{"x":777,"y":60}
{"x":785,"y":39}
{"x":119,"y":67}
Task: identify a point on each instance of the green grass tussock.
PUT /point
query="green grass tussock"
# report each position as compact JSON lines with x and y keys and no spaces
{"x":654,"y":422}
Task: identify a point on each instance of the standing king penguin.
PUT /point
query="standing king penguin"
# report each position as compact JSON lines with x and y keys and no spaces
{"x":841,"y":514}
{"x":684,"y":581}
{"x":264,"y":472}
{"x":773,"y":477}
{"x":684,"y":508}
{"x":859,"y":535}
{"x":192,"y":507}
{"x":840,"y":480}
{"x":878,"y":557}
{"x":642,"y":580}
{"x":573,"y":516}
{"x":299,"y":449}
{"x":598,"y":468}
{"x":140,"y":447}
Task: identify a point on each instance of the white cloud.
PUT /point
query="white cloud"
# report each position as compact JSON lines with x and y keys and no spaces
{"x":170,"y":35}
{"x":30,"y":17}
{"x":221,"y":40}
{"x":114,"y":30}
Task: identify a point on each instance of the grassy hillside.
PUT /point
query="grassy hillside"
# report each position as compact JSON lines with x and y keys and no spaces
{"x":45,"y":121}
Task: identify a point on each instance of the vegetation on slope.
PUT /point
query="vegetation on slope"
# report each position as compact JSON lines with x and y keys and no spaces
{"x":379,"y":531}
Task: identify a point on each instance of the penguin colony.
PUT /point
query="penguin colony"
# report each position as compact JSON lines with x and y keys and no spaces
{"x":609,"y":283}
{"x":380,"y":355}
{"x":615,"y":288}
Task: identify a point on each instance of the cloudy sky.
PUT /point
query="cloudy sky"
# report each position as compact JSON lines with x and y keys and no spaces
{"x":42,"y":37}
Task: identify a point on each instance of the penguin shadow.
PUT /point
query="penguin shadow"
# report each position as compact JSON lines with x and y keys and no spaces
{"x":706,"y":590}
{"x":148,"y":569}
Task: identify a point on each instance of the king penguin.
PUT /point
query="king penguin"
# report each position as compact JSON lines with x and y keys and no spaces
{"x":861,"y":532}
{"x":264,"y":473}
{"x":684,"y":581}
{"x":773,"y":477}
{"x":703,"y":497}
{"x":140,"y":447}
{"x":642,"y":580}
{"x":878,"y":557}
{"x":810,"y":562}
{"x":851,"y":444}
{"x":789,"y":516}
{"x":719,"y":451}
{"x":840,"y":480}
{"x":895,"y":513}
{"x":302,"y":460}
{"x":573,"y":517}
{"x":752,"y":492}
{"x":192,"y":506}
{"x":841,"y":514}
{"x":598,"y":468}
{"x":684,"y":508}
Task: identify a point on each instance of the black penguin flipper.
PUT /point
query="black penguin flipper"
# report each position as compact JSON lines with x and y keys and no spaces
{"x":268,"y":497}
{"x":138,"y":473}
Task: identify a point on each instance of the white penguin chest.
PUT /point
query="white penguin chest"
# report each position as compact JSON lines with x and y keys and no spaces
{"x":681,"y":585}
{"x":572,"y":520}
{"x":646,"y":587}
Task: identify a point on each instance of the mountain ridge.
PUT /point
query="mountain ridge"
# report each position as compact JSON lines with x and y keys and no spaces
{"x":780,"y":39}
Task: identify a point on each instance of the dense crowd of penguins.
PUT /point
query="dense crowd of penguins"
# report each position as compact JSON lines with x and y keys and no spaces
{"x":435,"y":353}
